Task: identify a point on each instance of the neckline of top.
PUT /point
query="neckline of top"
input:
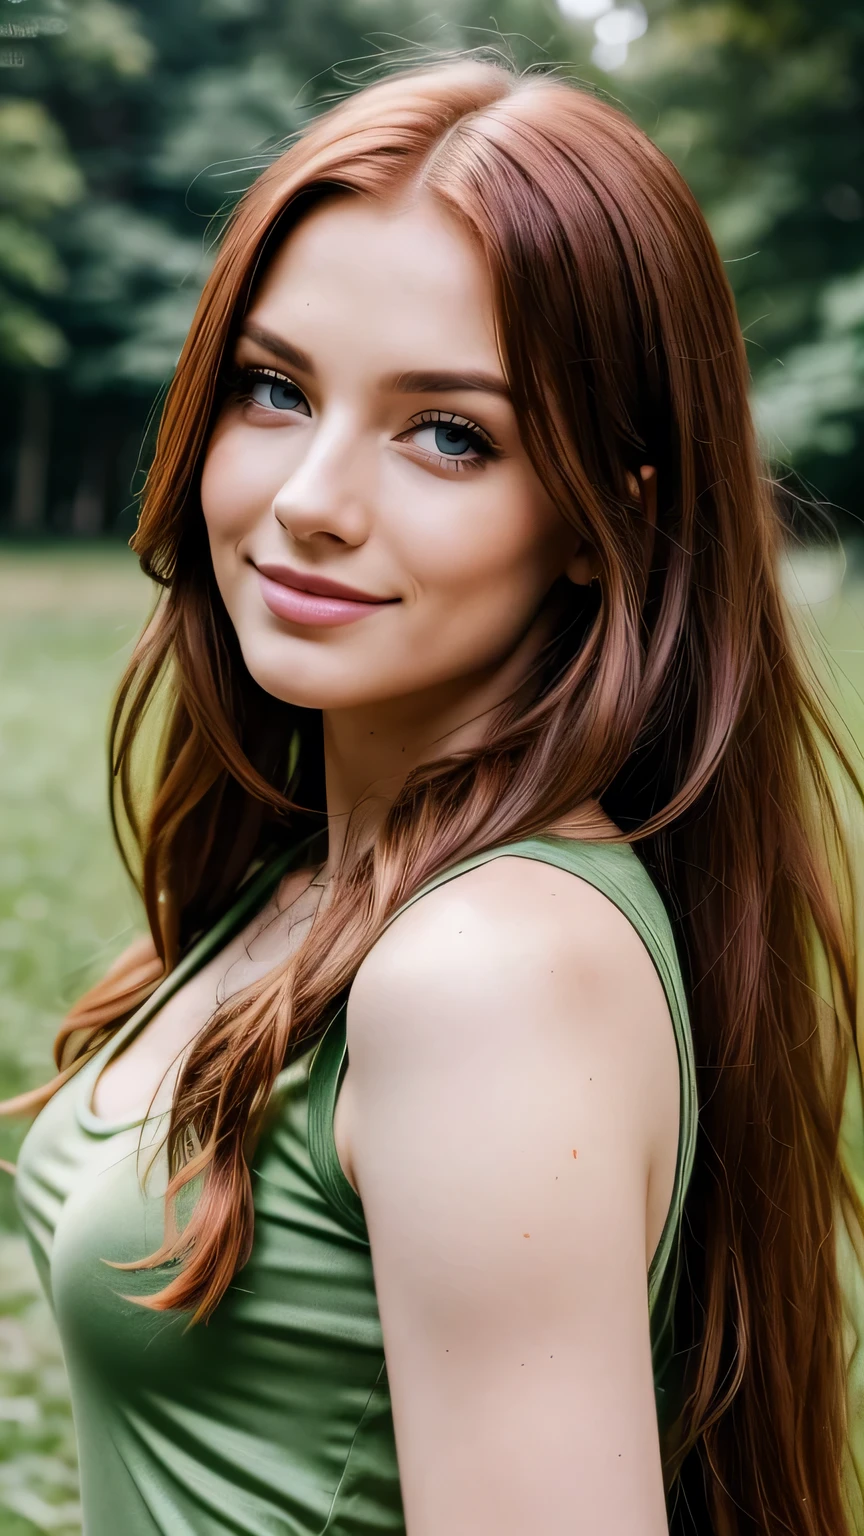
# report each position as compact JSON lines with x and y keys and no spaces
{"x":256,"y":890}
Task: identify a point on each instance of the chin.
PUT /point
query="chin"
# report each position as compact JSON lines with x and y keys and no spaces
{"x":299,"y":685}
{"x":310,"y":682}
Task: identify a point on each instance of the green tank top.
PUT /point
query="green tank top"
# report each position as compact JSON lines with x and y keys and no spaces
{"x":274,"y":1418}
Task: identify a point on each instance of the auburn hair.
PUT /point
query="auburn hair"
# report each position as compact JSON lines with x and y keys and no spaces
{"x":680,"y":699}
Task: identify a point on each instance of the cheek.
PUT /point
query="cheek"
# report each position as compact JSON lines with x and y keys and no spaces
{"x":219,"y":500}
{"x":231,"y":495}
{"x":501,"y":538}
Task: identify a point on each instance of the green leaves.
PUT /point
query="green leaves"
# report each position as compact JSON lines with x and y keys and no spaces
{"x":811,"y":401}
{"x":38,"y":174}
{"x":760,"y":108}
{"x":132,"y":130}
{"x":104,"y":35}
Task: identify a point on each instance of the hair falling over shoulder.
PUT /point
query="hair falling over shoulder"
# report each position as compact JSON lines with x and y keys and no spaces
{"x":683,"y":703}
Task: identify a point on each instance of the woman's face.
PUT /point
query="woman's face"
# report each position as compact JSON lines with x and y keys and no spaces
{"x":376,"y":449}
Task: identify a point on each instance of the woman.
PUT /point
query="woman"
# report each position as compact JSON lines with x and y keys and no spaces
{"x":464,"y":767}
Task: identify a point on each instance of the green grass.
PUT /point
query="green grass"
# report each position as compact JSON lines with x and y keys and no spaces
{"x":66,"y":906}
{"x":67,"y":622}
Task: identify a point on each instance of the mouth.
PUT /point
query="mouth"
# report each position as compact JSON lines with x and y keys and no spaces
{"x":302,"y":598}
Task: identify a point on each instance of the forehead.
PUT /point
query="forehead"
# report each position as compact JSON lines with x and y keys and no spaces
{"x":383,"y":285}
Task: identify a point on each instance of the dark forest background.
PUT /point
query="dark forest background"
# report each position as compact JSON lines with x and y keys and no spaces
{"x":127,"y":131}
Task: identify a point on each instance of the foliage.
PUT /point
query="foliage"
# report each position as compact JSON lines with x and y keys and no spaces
{"x":38,"y":175}
{"x":762,"y":107}
{"x":130,"y":130}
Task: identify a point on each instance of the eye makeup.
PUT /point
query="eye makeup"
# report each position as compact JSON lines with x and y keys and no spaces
{"x":240,"y":382}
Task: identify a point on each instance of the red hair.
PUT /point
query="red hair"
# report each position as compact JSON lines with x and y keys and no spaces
{"x":676,"y":697}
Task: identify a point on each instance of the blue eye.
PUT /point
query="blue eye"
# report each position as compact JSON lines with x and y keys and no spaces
{"x":450,"y":439}
{"x":456,"y":444}
{"x":275,"y":394}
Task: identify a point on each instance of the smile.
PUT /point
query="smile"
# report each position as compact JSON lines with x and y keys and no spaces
{"x":314,"y":600}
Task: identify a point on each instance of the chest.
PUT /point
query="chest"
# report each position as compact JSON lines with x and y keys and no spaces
{"x":92,"y":1201}
{"x":140,"y":1078}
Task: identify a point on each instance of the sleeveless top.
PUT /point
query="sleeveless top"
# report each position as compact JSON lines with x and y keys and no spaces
{"x":274,"y":1418}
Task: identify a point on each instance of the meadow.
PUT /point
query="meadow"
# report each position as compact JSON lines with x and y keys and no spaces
{"x":67,"y":623}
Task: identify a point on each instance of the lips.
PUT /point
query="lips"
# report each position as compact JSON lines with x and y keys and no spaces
{"x":322,"y":586}
{"x":299,"y":598}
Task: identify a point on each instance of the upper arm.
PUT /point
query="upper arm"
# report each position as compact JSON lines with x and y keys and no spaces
{"x":509,"y":1042}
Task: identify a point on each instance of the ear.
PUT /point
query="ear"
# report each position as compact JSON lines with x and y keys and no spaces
{"x":645,"y":489}
{"x":584,"y":565}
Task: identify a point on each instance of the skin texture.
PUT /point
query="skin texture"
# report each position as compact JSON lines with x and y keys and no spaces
{"x":505,"y":1021}
{"x":512,"y":1016}
{"x":345,"y":487}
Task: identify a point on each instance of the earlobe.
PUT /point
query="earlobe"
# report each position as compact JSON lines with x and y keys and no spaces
{"x":583,"y":567}
{"x":646,"y":490}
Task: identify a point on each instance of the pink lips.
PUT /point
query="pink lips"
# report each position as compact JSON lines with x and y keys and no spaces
{"x":315,"y":600}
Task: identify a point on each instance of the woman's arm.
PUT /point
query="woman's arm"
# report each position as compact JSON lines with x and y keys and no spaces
{"x":512,"y":1098}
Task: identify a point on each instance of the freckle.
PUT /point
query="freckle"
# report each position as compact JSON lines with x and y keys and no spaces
{"x":526,"y":1234}
{"x":575,"y":1153}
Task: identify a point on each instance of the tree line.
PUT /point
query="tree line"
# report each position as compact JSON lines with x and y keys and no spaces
{"x":128,"y":131}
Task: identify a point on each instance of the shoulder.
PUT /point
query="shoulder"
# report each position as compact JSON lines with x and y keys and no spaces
{"x":508,"y":1039}
{"x":516,"y":944}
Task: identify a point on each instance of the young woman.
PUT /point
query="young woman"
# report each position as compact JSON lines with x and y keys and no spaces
{"x":470,"y":782}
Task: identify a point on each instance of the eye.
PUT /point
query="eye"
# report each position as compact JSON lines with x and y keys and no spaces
{"x":451,"y":441}
{"x":272,"y":390}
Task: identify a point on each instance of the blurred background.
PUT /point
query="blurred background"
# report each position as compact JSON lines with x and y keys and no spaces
{"x":127,"y":132}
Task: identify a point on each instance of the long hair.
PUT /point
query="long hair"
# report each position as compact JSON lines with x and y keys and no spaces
{"x":683,"y":703}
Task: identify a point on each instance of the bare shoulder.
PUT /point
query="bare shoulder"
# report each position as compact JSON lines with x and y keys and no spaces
{"x":519,"y":944}
{"x":512,"y":1071}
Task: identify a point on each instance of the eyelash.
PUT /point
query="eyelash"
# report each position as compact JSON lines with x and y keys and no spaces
{"x":241,"y":381}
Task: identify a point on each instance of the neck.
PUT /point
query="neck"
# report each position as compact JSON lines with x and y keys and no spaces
{"x":370,"y":750}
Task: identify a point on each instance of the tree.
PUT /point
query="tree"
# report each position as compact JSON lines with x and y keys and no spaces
{"x":762,"y":107}
{"x":130,"y":131}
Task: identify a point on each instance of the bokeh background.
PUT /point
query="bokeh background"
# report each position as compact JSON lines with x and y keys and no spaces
{"x":127,"y":132}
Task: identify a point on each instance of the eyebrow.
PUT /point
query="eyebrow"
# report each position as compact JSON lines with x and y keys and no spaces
{"x":424,"y":381}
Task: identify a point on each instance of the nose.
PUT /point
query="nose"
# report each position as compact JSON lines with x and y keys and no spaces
{"x":328,"y":494}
